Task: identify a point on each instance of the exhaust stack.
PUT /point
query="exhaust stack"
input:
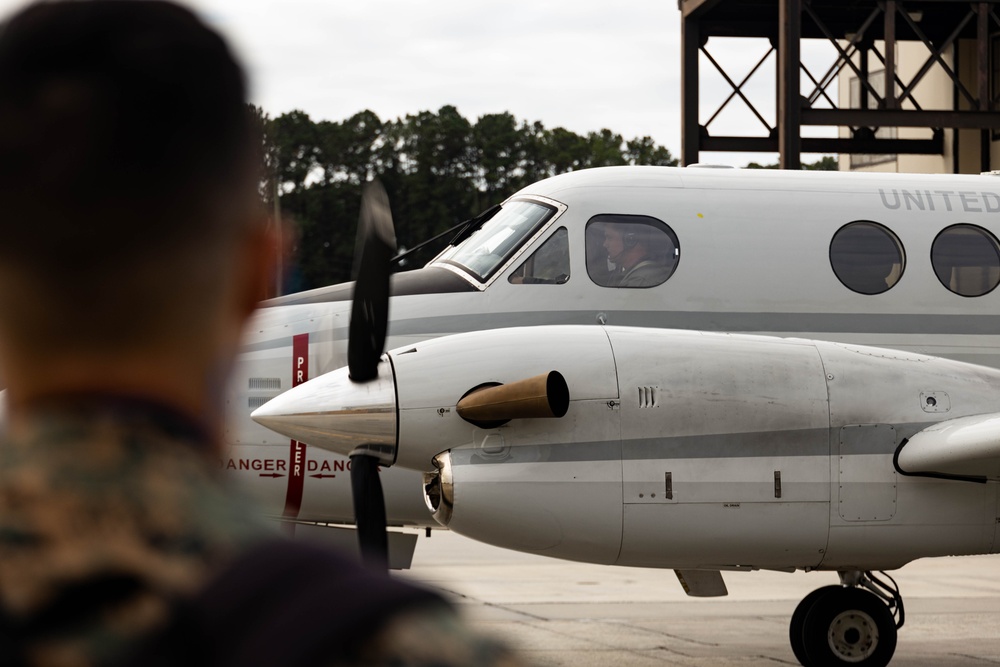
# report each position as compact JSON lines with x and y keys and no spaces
{"x":540,"y":397}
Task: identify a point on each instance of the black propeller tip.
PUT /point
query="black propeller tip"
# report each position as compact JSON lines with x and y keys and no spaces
{"x":369,"y":511}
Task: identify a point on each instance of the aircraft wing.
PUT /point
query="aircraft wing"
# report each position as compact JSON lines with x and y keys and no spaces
{"x":966,"y":448}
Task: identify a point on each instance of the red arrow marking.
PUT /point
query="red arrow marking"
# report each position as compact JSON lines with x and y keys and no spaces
{"x":271,"y":474}
{"x":321,"y":476}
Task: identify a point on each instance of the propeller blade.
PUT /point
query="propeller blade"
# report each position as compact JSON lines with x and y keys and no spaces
{"x":370,"y":310}
{"x":369,"y":511}
{"x":365,"y":343}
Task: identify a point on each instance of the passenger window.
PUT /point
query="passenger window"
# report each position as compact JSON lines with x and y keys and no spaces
{"x":866,"y":257}
{"x":549,"y":265}
{"x":630,"y":251}
{"x":966,"y":260}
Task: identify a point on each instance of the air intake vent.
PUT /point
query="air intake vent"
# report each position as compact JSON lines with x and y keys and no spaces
{"x":265,"y":384}
{"x":649,"y":397}
{"x":257,"y":401}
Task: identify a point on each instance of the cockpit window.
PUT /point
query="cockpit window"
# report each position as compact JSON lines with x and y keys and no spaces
{"x":966,"y":260}
{"x":630,"y":251}
{"x":866,"y":257}
{"x":549,"y":265}
{"x":496,"y":241}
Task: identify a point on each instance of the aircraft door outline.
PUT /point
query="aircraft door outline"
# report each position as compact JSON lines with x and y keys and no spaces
{"x":725,"y":452}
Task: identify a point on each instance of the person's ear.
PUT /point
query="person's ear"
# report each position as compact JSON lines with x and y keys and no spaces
{"x":262,"y":258}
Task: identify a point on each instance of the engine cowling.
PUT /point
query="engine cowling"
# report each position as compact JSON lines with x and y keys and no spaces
{"x":726,"y":451}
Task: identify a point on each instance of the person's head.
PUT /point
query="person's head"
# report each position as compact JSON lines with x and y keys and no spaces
{"x":626,"y":244}
{"x":128,"y":184}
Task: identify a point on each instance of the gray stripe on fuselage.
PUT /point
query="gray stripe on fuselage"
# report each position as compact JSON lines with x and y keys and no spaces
{"x":715,"y":321}
{"x":774,"y":323}
{"x":609,"y":450}
{"x":798,"y":442}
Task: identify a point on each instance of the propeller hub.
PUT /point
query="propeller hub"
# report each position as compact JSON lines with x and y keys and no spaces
{"x":340,"y":415}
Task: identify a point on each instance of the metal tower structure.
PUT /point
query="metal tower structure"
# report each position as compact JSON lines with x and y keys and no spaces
{"x":865,"y":35}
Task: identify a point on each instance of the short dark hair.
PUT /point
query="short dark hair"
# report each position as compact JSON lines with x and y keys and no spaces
{"x":124,"y":131}
{"x":113,"y":115}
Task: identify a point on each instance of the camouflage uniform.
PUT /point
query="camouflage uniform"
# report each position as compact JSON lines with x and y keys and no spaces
{"x":112,"y":511}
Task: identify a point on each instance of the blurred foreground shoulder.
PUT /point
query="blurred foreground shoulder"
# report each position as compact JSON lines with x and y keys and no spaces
{"x":301,"y":605}
{"x":435,"y":636}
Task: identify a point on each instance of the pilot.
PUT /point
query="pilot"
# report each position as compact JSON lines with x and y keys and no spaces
{"x":630,"y":248}
{"x":133,"y":252}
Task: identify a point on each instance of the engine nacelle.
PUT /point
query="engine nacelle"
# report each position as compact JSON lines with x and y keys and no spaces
{"x":726,"y":451}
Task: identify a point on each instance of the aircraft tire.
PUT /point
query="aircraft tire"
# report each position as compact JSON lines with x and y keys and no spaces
{"x":848,"y":626}
{"x":795,"y":628}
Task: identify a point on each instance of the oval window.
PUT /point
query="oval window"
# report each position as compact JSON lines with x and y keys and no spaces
{"x":866,"y":257}
{"x":630,"y":251}
{"x":966,"y":260}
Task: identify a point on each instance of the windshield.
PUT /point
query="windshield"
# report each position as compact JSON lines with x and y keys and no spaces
{"x":496,"y":241}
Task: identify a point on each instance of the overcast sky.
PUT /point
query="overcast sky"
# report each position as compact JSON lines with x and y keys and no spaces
{"x":580,"y":64}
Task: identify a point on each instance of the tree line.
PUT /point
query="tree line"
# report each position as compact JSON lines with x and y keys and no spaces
{"x":438,"y":168}
{"x":825,"y":163}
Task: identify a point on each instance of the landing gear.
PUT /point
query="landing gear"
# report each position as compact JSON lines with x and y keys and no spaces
{"x":847,"y":625}
{"x":797,"y":625}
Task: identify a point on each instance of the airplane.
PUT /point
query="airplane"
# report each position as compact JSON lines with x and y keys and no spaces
{"x":753,"y":251}
{"x":743,"y":459}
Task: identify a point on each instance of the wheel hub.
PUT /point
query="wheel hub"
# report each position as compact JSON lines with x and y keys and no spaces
{"x":853,"y":636}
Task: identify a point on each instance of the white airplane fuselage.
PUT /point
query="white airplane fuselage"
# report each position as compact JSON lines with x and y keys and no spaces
{"x":753,"y":255}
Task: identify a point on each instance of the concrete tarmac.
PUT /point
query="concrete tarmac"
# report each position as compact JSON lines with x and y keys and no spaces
{"x":563,"y":613}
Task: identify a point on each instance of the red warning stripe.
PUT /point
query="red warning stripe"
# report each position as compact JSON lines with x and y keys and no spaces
{"x":297,"y":452}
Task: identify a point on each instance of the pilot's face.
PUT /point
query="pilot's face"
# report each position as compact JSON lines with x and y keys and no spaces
{"x":613,"y":244}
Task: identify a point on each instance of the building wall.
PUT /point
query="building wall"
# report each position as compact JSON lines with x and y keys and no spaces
{"x":935,"y":91}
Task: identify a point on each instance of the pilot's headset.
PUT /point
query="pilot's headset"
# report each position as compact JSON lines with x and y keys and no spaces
{"x":630,"y":239}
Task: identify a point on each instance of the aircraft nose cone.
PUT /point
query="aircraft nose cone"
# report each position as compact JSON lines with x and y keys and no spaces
{"x":334,"y":413}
